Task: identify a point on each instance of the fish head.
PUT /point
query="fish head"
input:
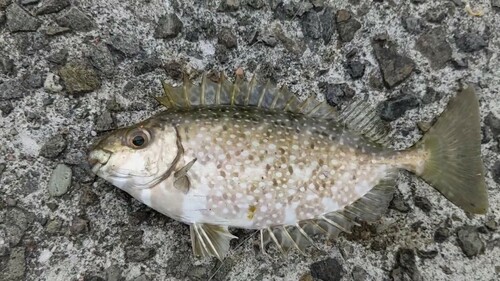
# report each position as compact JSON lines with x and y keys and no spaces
{"x":136,"y":157}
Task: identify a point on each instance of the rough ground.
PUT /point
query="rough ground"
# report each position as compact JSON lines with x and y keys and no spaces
{"x":73,"y":69}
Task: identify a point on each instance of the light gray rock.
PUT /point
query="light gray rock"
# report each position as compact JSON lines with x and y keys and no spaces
{"x":60,"y":180}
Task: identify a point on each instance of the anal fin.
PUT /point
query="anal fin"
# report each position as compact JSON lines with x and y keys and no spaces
{"x":210,"y":240}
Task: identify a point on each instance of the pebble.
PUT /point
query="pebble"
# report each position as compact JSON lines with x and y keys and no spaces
{"x":17,"y":222}
{"x":405,"y":267}
{"x":495,"y":171}
{"x":168,"y":27}
{"x":336,"y":94}
{"x":6,"y":65}
{"x":470,"y":42}
{"x":32,"y":80}
{"x":495,"y":4}
{"x":77,"y":20}
{"x":51,"y":83}
{"x":355,"y":69}
{"x":59,"y":56}
{"x":3,"y":18}
{"x":54,"y":227}
{"x":395,"y":67}
{"x":2,"y":169}
{"x":18,"y":19}
{"x":53,"y":147}
{"x":493,"y":123}
{"x":114,"y":273}
{"x":256,"y":4}
{"x":327,"y":270}
{"x":147,"y":65}
{"x":229,"y":6}
{"x":427,"y":254}
{"x":346,"y":25}
{"x":398,"y":203}
{"x":227,"y":38}
{"x":6,"y":108}
{"x":79,"y":225}
{"x":104,"y":122}
{"x":423,"y":203}
{"x":79,"y":77}
{"x":438,"y":13}
{"x":360,"y":274}
{"x":138,"y":254}
{"x":125,"y":45}
{"x":12,"y":89}
{"x":311,"y":25}
{"x":413,"y":25}
{"x":16,"y":265}
{"x":327,"y":20}
{"x":4,"y":4}
{"x":102,"y":59}
{"x":52,"y":6}
{"x":56,"y":30}
{"x":60,"y":180}
{"x":469,"y":241}
{"x":395,"y":107}
{"x":88,"y":198}
{"x":435,"y":48}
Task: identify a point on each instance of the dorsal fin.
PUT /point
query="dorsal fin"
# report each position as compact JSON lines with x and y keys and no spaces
{"x":368,"y":208}
{"x":265,"y":95}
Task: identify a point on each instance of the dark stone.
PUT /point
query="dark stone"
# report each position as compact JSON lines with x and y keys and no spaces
{"x":268,"y":39}
{"x":495,"y":171}
{"x":79,"y":225}
{"x":418,"y":1}
{"x":104,"y":122}
{"x":495,"y":4}
{"x":174,"y":70}
{"x":470,"y":42}
{"x":360,"y":274}
{"x":3,"y":18}
{"x":405,"y":268}
{"x":102,"y":59}
{"x":311,"y":25}
{"x":54,"y":227}
{"x":169,"y":26}
{"x":88,"y":198}
{"x":327,"y":270}
{"x":2,"y":169}
{"x":491,"y":224}
{"x":114,"y":273}
{"x":460,"y":63}
{"x":92,"y":278}
{"x":6,"y":108}
{"x":18,"y":19}
{"x":32,"y":80}
{"x":16,"y":265}
{"x":434,"y":47}
{"x":427,"y":254}
{"x":31,"y":43}
{"x":75,"y":19}
{"x":336,"y":94}
{"x":395,"y":107}
{"x":6,"y":66}
{"x":56,"y":30}
{"x":79,"y":77}
{"x":12,"y":90}
{"x":431,"y":96}
{"x":292,"y":46}
{"x":355,"y":69}
{"x":256,"y":4}
{"x":4,"y":4}
{"x":395,"y":68}
{"x":493,"y":123}
{"x":138,"y":254}
{"x":227,"y":38}
{"x":53,"y":147}
{"x":413,"y":25}
{"x":52,"y":6}
{"x":59,"y":56}
{"x":423,"y":203}
{"x":229,"y":6}
{"x":221,"y":54}
{"x":17,"y":222}
{"x":437,"y":14}
{"x":327,"y":20}
{"x":469,"y":241}
{"x":127,"y":46}
{"x":346,"y":25}
{"x":147,"y":65}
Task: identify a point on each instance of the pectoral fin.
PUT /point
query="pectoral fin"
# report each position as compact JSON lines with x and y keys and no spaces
{"x":210,"y":240}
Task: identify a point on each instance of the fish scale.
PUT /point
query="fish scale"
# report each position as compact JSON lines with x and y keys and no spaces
{"x":251,"y":155}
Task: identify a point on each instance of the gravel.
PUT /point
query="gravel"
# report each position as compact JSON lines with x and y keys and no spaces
{"x":71,"y":71}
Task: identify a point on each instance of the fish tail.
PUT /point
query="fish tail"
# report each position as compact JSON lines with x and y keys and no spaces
{"x":452,"y":152}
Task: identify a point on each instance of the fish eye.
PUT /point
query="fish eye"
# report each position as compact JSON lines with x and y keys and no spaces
{"x":138,"y":138}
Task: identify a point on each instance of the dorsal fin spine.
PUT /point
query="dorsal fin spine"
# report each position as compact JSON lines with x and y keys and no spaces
{"x":273,"y":237}
{"x":335,"y":224}
{"x":261,"y":98}
{"x":203,"y":88}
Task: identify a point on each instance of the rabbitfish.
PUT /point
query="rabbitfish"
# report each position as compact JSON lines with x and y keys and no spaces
{"x":251,"y":155}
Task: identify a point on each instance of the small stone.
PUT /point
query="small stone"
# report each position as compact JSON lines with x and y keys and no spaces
{"x":469,"y":241}
{"x":75,"y":19}
{"x":3,"y":18}
{"x":327,"y":270}
{"x":423,"y":203}
{"x":114,"y":273}
{"x":102,"y":59}
{"x":4,"y":4}
{"x":138,"y":254}
{"x":28,"y":2}
{"x":399,"y":204}
{"x":17,"y":223}
{"x":4,"y":250}
{"x":395,"y":107}
{"x":493,"y":123}
{"x":460,"y":63}
{"x":56,"y":30}
{"x":16,"y":265}
{"x":495,"y":4}
{"x":32,"y":80}
{"x":346,"y":26}
{"x":491,"y":224}
{"x":52,"y":6}
{"x":18,"y":19}
{"x":256,"y":4}
{"x":406,"y":268}
{"x":168,"y":27}
{"x":431,"y":96}
{"x":2,"y":168}
{"x":227,"y":38}
{"x":79,"y":77}
{"x":470,"y":42}
{"x":173,"y":70}
{"x":60,"y":180}
{"x":436,"y":14}
{"x":146,"y":65}
{"x":268,"y":38}
{"x":6,"y":66}
{"x":360,"y":274}
{"x":88,"y":198}
{"x":59,"y":56}
{"x":311,"y":25}
{"x":54,"y":227}
{"x":78,"y":226}
{"x":427,"y":254}
{"x":229,"y":6}
{"x":12,"y":90}
{"x":6,"y":108}
{"x":413,"y":25}
{"x":355,"y":69}
{"x":495,"y":171}
{"x":51,"y":83}
{"x":336,"y":94}
{"x":395,"y":68}
{"x":92,"y":278}
{"x":53,"y":147}
{"x":126,"y":45}
{"x":327,"y":20}
{"x":104,"y":122}
{"x":435,"y":48}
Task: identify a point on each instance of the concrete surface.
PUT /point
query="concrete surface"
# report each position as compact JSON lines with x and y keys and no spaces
{"x":71,"y":70}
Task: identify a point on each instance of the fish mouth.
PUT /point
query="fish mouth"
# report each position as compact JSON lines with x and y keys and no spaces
{"x":98,"y":158}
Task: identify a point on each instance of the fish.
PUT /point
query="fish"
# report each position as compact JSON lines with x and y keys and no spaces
{"x":249,"y":154}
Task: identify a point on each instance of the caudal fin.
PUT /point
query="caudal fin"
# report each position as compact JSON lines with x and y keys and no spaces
{"x":453,"y":164}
